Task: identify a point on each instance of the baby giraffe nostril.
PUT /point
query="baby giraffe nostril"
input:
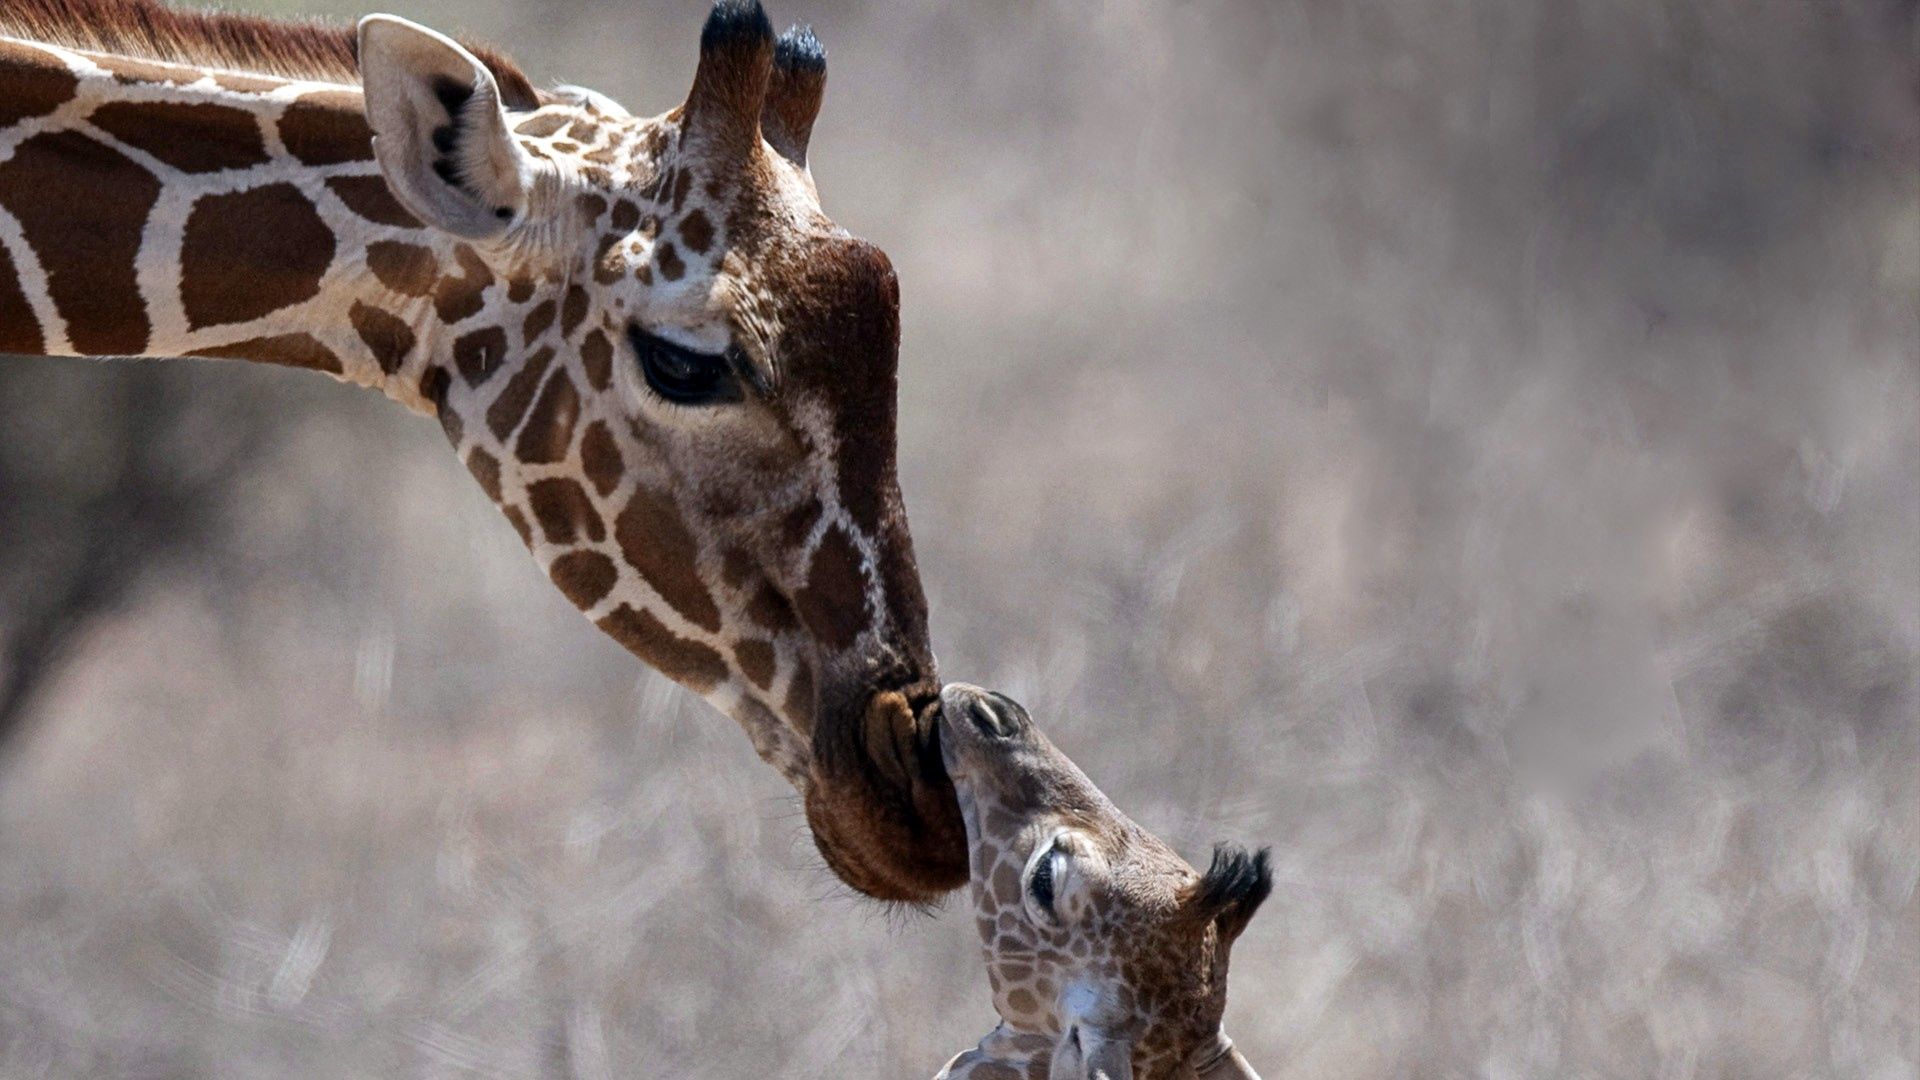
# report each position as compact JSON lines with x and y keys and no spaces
{"x":991,"y":717}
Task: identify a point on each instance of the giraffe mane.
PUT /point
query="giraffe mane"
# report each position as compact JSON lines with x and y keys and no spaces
{"x":149,"y":30}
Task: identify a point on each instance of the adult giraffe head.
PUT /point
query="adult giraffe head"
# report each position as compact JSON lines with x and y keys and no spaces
{"x":647,"y":342}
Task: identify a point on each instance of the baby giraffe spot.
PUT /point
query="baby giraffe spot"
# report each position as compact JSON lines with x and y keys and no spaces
{"x":834,"y":602}
{"x":538,"y":320}
{"x":656,"y":542}
{"x":461,"y":295}
{"x":248,"y":253}
{"x":486,"y":470}
{"x":194,"y":137}
{"x":697,"y":666}
{"x":584,"y":576}
{"x":479,"y":354}
{"x":549,"y":429}
{"x":607,"y":267}
{"x":573,"y":310}
{"x":696,"y":232}
{"x":407,"y":269}
{"x":643,"y":273}
{"x":507,"y":409}
{"x":671,"y":268}
{"x":596,"y":354}
{"x":1022,"y":1003}
{"x":1006,"y":884}
{"x":564,"y":512}
{"x":600,"y":459}
{"x":385,"y":335}
{"x":771,"y":610}
{"x":541,"y":125}
{"x":625,"y":216}
{"x":799,"y":704}
{"x":756,"y":661}
{"x":519,"y":522}
{"x":681,"y":185}
{"x":520,"y":289}
{"x":287,"y":350}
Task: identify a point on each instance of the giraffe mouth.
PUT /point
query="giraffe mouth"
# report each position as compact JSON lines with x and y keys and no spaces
{"x":882,"y":808}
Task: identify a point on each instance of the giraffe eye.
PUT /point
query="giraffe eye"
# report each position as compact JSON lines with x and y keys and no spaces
{"x":1042,"y":884}
{"x":683,"y":376}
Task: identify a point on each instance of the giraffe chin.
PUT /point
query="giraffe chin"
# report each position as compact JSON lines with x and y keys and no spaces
{"x":882,"y":809}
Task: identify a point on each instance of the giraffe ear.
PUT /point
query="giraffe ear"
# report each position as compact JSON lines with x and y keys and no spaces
{"x":1233,"y":888}
{"x":439,"y":131}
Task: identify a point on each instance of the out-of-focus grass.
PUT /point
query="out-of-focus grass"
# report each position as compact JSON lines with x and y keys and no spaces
{"x":1472,"y":449}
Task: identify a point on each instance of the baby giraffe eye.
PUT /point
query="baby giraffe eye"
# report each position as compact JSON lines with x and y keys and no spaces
{"x":1042,"y":885}
{"x":682,"y":375}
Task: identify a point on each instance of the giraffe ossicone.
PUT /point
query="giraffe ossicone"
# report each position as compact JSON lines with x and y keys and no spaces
{"x":673,"y":373}
{"x":1106,"y":952}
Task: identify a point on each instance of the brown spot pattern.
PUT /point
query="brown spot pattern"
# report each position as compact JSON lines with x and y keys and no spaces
{"x":248,"y":253}
{"x":671,"y":268}
{"x":573,"y":311}
{"x":479,"y":354}
{"x":834,"y":602}
{"x":486,"y":470}
{"x":385,"y":335}
{"x":688,"y":662}
{"x":194,"y":137}
{"x":600,"y":458}
{"x":287,"y":350}
{"x":697,"y":232}
{"x":369,"y":197}
{"x":625,"y":216}
{"x":656,"y":542}
{"x":584,"y":576}
{"x":36,"y":83}
{"x":596,"y":354}
{"x":463,"y":294}
{"x":541,"y":125}
{"x":564,"y":512}
{"x":507,"y":409}
{"x":756,"y":661}
{"x":327,"y":127}
{"x":90,"y":272}
{"x":537,"y":321}
{"x":19,"y":330}
{"x":549,"y":428}
{"x":407,"y":269}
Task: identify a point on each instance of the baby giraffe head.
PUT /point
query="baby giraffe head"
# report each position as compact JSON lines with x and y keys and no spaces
{"x":1106,"y":951}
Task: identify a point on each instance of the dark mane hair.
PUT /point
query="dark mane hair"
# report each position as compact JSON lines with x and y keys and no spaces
{"x":149,"y":30}
{"x":1234,"y":887}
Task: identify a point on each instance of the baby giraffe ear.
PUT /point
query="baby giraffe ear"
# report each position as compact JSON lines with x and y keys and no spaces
{"x":439,"y":130}
{"x":1233,"y":888}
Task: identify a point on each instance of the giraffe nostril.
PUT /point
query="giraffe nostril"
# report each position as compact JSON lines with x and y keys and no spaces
{"x":991,"y":717}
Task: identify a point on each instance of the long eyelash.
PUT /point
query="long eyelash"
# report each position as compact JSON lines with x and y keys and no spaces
{"x":1042,"y":884}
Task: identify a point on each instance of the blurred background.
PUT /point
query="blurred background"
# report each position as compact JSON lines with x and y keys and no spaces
{"x":1473,"y":448}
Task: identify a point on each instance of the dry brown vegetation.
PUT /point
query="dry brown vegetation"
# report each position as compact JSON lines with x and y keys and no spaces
{"x":1471,"y":448}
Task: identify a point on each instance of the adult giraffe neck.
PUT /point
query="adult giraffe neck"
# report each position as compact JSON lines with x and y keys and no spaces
{"x":161,"y":210}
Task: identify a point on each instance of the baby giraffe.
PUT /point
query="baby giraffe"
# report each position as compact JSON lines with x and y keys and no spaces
{"x":1106,"y":951}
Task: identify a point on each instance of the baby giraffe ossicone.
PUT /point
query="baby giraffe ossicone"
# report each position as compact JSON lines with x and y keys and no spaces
{"x":1106,"y":951}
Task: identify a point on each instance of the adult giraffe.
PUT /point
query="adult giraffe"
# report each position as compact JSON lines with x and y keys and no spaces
{"x":647,"y":343}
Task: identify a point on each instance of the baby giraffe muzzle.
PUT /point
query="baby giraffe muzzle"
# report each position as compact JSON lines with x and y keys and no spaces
{"x":1106,"y":951}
